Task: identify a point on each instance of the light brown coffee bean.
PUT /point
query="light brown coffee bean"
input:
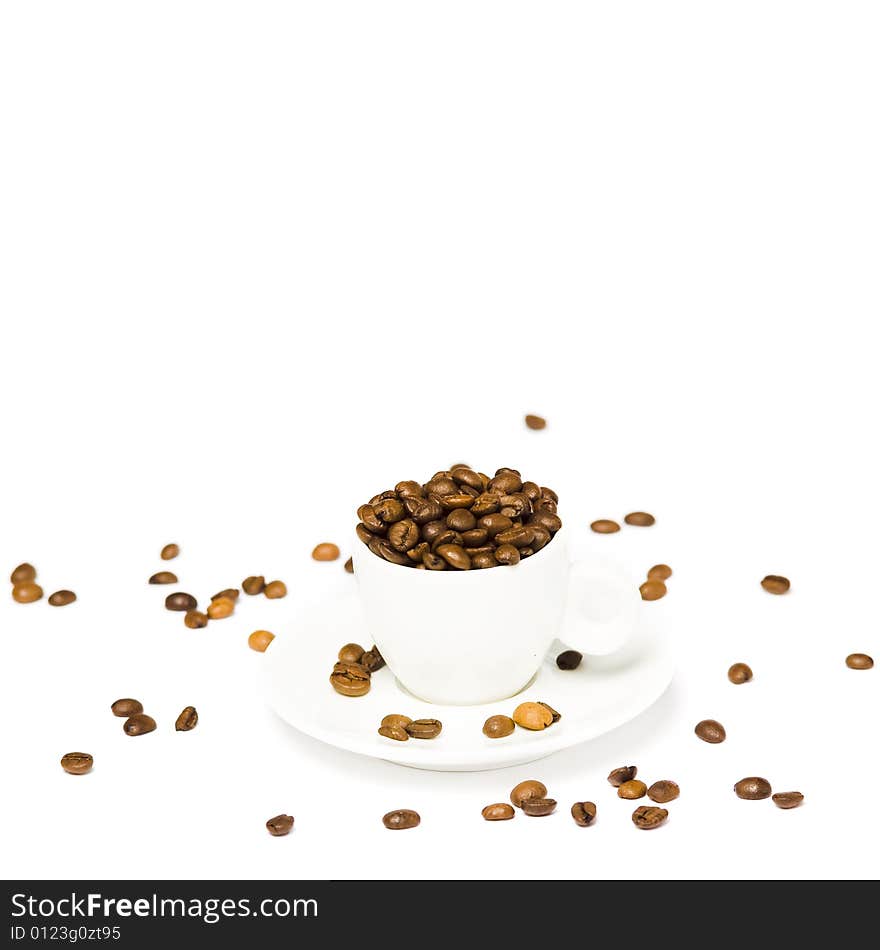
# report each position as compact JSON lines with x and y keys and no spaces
{"x":535,"y":422}
{"x":351,"y":653}
{"x":231,"y":593}
{"x":531,"y":788}
{"x":77,"y":763}
{"x":349,"y":566}
{"x":169,"y":552}
{"x":500,"y":811}
{"x":534,"y":716}
{"x":187,"y":720}
{"x":180,"y":601}
{"x":625,"y":773}
{"x":497,"y":727}
{"x":126,"y":707}
{"x":752,"y":788}
{"x":398,"y":733}
{"x":584,"y":813}
{"x":27,"y":592}
{"x":325,"y":551}
{"x":554,"y":715}
{"x":424,"y":728}
{"x":647,"y":817}
{"x":403,"y":535}
{"x":776,"y":584}
{"x":372,"y":660}
{"x":507,"y":554}
{"x":710,"y":730}
{"x":275,"y":589}
{"x":455,"y":556}
{"x":569,"y":660}
{"x":605,"y":526}
{"x":640,"y":519}
{"x":401,"y":819}
{"x":195,"y":619}
{"x":23,"y":574}
{"x":739,"y":673}
{"x":221,"y":608}
{"x":163,"y":577}
{"x":280,"y":825}
{"x":634,"y":788}
{"x":652,"y":590}
{"x":390,"y":510}
{"x":538,"y":807}
{"x":660,"y":572}
{"x":61,"y":598}
{"x":396,"y":719}
{"x":350,"y":679}
{"x":859,"y":661}
{"x":139,"y":725}
{"x":260,"y":639}
{"x":253,"y":585}
{"x":787,"y":799}
{"x":664,"y":791}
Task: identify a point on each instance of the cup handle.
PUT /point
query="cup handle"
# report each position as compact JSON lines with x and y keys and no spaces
{"x":602,"y":609}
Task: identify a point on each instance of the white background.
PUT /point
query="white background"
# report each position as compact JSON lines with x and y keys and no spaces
{"x":260,"y":260}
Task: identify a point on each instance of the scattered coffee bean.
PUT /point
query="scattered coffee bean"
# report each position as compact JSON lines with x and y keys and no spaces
{"x":787,"y":799}
{"x":739,"y":673}
{"x":350,"y":679}
{"x":397,"y":733}
{"x":652,"y":590}
{"x":535,"y":422}
{"x":275,"y":589}
{"x":180,"y":601}
{"x":27,"y":592}
{"x":169,"y":552}
{"x":61,"y":598}
{"x":584,"y":813}
{"x":23,"y":574}
{"x":195,"y":619}
{"x":634,"y":788}
{"x":500,"y":811}
{"x":253,"y":585}
{"x":187,"y":720}
{"x":538,"y":807}
{"x":640,"y":519}
{"x":260,"y":639}
{"x":325,"y":551}
{"x":647,"y":817}
{"x":349,"y":566}
{"x":752,"y":788}
{"x":531,"y":788}
{"x":664,"y":791}
{"x":139,"y":725}
{"x":660,"y":572}
{"x":126,"y":707}
{"x":605,"y":526}
{"x":424,"y":728}
{"x":710,"y":730}
{"x":221,"y":608}
{"x":554,"y":715}
{"x":231,"y":593}
{"x":859,"y":661}
{"x":776,"y":584}
{"x":351,"y":653}
{"x":163,"y":577}
{"x":372,"y":660}
{"x":78,"y":763}
{"x":497,"y":727}
{"x":569,"y":660}
{"x":280,"y":825}
{"x":395,"y":719}
{"x":625,"y":773}
{"x":401,"y":819}
{"x":533,"y":716}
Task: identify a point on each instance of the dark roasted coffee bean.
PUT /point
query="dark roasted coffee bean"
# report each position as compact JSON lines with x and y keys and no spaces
{"x":455,"y":556}
{"x":641,"y":519}
{"x":497,"y":727}
{"x":231,"y":593}
{"x":61,"y":598}
{"x":23,"y":574}
{"x":647,"y":817}
{"x":424,"y":728}
{"x":584,"y":813}
{"x":507,"y":554}
{"x":390,"y":510}
{"x":660,"y":572}
{"x":370,"y":520}
{"x":163,"y":577}
{"x":460,"y":519}
{"x":625,"y":773}
{"x":259,"y":640}
{"x":398,"y":733}
{"x":275,"y":590}
{"x":372,"y":660}
{"x":547,"y":519}
{"x":485,"y":504}
{"x":350,"y":653}
{"x":482,"y":559}
{"x":535,"y":422}
{"x":280,"y":825}
{"x":634,"y":788}
{"x":710,"y":730}
{"x":752,"y":788}
{"x":139,"y":725}
{"x":221,"y":608}
{"x":859,"y":661}
{"x":187,"y":720}
{"x":408,"y":489}
{"x":475,"y":538}
{"x":401,"y":819}
{"x":531,"y":788}
{"x":739,"y":673}
{"x":505,"y":482}
{"x":396,"y":719}
{"x":520,"y":536}
{"x":467,"y":476}
{"x":538,"y":807}
{"x":776,"y":584}
{"x":403,"y":535}
{"x":605,"y":526}
{"x":126,"y":707}
{"x":350,"y":679}
{"x":253,"y":585}
{"x":787,"y":799}
{"x":195,"y":619}
{"x":664,"y":791}
{"x":554,"y":716}
{"x":495,"y":524}
{"x":27,"y":592}
{"x":325,"y":551}
{"x":498,"y":812}
{"x":349,"y":566}
{"x":569,"y":660}
{"x":77,"y":763}
{"x":169,"y":552}
{"x":433,"y":562}
{"x":652,"y":590}
{"x":180,"y":601}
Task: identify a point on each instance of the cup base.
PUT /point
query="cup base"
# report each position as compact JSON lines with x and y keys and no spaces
{"x":477,"y":702}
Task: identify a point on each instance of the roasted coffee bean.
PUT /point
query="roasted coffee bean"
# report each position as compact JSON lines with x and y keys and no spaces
{"x":569,"y":660}
{"x":460,"y":519}
{"x":660,"y":572}
{"x":859,"y":661}
{"x":351,"y":653}
{"x":349,"y":566}
{"x":423,"y":510}
{"x":253,"y":585}
{"x":531,"y":491}
{"x":555,"y":716}
{"x":538,"y":807}
{"x":520,"y":536}
{"x":485,"y":504}
{"x":584,"y":813}
{"x":325,"y":551}
{"x":549,"y":494}
{"x":647,"y":817}
{"x":260,"y":639}
{"x":540,"y":536}
{"x":462,"y":475}
{"x":787,"y":799}
{"x":401,"y":819}
{"x":23,"y":574}
{"x":480,"y":560}
{"x":169,"y":552}
{"x":280,"y":825}
{"x":396,"y":719}
{"x":424,"y":728}
{"x":187,"y":720}
{"x":362,"y":533}
{"x":507,"y":554}
{"x":408,"y":489}
{"x":441,"y":485}
{"x":515,"y":506}
{"x":195,"y":619}
{"x":180,"y":601}
{"x":641,"y":519}
{"x":126,"y":707}
{"x":505,"y":482}
{"x":27,"y":592}
{"x":350,"y":679}
{"x":498,"y":812}
{"x":652,"y":590}
{"x":383,"y":548}
{"x":221,"y":608}
{"x":776,"y":584}
{"x":634,"y":788}
{"x":710,"y":730}
{"x":275,"y":589}
{"x":418,"y":552}
{"x":433,"y":529}
{"x":546,"y":519}
{"x":531,"y":788}
{"x":433,"y":562}
{"x":163,"y":577}
{"x":495,"y":524}
{"x":231,"y":593}
{"x":534,"y":716}
{"x":739,"y":673}
{"x":390,"y":510}
{"x":77,"y":763}
{"x":398,"y":733}
{"x":455,"y":556}
{"x":626,"y":773}
{"x":460,"y":500}
{"x":475,"y":538}
{"x":371,"y":520}
{"x":605,"y":526}
{"x":497,"y":727}
{"x":139,"y":725}
{"x":61,"y":598}
{"x":664,"y":791}
{"x":403,"y":535}
{"x":752,"y":788}
{"x":526,"y":552}
{"x":535,"y":422}
{"x":372,"y":660}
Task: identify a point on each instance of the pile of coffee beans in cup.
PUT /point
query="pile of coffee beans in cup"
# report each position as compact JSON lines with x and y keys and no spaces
{"x":26,"y":590}
{"x":353,"y":668}
{"x":460,"y":520}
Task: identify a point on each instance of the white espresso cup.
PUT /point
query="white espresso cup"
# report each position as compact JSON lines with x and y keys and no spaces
{"x":461,"y":638}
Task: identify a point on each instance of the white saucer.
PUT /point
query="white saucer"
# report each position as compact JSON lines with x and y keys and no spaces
{"x":603,"y":693}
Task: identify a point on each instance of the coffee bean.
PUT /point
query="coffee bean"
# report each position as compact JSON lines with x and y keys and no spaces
{"x":462,"y":475}
{"x":433,"y":562}
{"x":569,"y":660}
{"x":401,"y":819}
{"x":325,"y":551}
{"x":859,"y":661}
{"x":664,"y":791}
{"x":187,"y":720}
{"x":710,"y":730}
{"x":163,"y":577}
{"x":77,"y":763}
{"x":441,"y":484}
{"x":126,"y":707}
{"x":531,"y":788}
{"x":139,"y":725}
{"x":660,"y":572}
{"x":480,"y":560}
{"x":397,"y":733}
{"x":390,"y":510}
{"x":231,"y":593}
{"x":371,"y":521}
{"x":180,"y":601}
{"x":409,"y":489}
{"x":787,"y":799}
{"x":61,"y":598}
{"x":739,"y":673}
{"x":476,"y":538}
{"x":534,"y":716}
{"x":23,"y":574}
{"x":260,"y":639}
{"x":641,"y":519}
{"x":535,"y":422}
{"x":383,"y":548}
{"x":647,"y":817}
{"x":253,"y":585}
{"x":219,"y":609}
{"x":501,"y":811}
{"x":487,"y":503}
{"x":460,"y":519}
{"x":460,"y":500}
{"x":275,"y":589}
{"x":605,"y":526}
{"x":27,"y":592}
{"x":507,"y":554}
{"x":776,"y":584}
{"x":495,"y":524}
{"x":396,"y":719}
{"x":350,"y":653}
{"x":538,"y":807}
{"x":584,"y":813}
{"x":349,"y":566}
{"x":455,"y":556}
{"x":652,"y":590}
{"x":752,"y":788}
{"x":625,"y":773}
{"x":634,"y":788}
{"x":372,"y":660}
{"x":280,"y":825}
{"x":505,"y":482}
{"x":497,"y":727}
{"x":516,"y":505}
{"x":424,"y":728}
{"x":403,"y":535}
{"x":350,"y":679}
{"x":423,"y":511}
{"x":520,"y":536}
{"x":169,"y":552}
{"x":546,"y":519}
{"x":555,"y":716}
{"x":195,"y":619}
